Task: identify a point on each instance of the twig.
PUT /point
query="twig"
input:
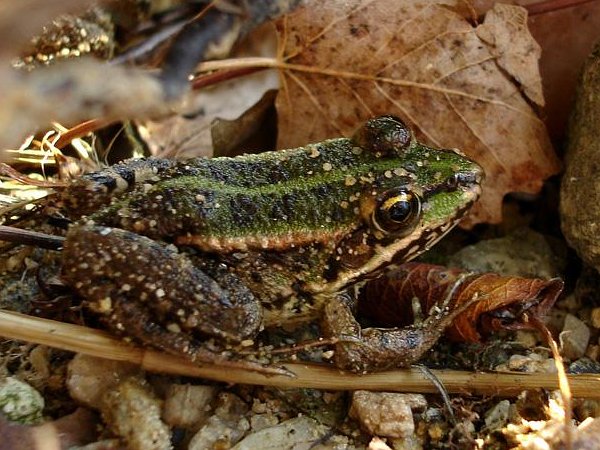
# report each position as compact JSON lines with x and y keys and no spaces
{"x":97,"y":343}
{"x":8,"y":171}
{"x":27,"y":237}
{"x":441,"y":390}
{"x":563,"y":380}
{"x":80,"y":130}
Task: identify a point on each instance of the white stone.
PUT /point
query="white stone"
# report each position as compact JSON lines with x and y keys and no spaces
{"x":574,"y":338}
{"x":385,"y":413}
{"x":188,"y":406}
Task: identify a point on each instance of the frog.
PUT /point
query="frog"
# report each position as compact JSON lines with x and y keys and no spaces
{"x":198,"y":257}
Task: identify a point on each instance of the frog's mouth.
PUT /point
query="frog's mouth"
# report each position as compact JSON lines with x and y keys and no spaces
{"x":437,"y":220}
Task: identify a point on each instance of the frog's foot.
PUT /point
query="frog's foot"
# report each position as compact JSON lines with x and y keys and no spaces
{"x":141,"y":327}
{"x":375,"y":349}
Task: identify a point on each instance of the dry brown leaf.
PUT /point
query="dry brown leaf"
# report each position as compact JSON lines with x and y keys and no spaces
{"x":425,"y":62}
{"x":495,"y":302}
{"x":189,"y":133}
{"x":505,"y":32}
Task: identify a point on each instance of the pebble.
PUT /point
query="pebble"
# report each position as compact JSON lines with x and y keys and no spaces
{"x":532,"y":363}
{"x":574,"y":338}
{"x":133,"y":412}
{"x":588,"y":434}
{"x":595,"y":317}
{"x":225,"y":427}
{"x":378,"y":444}
{"x":188,"y":406}
{"x":527,"y":338}
{"x":261,"y":421}
{"x":584,"y":365}
{"x":406,"y":443}
{"x":20,"y":402}
{"x":497,"y":416}
{"x":298,"y":433}
{"x":593,"y":352}
{"x":89,"y":378}
{"x":385,"y":413}
{"x":524,"y":253}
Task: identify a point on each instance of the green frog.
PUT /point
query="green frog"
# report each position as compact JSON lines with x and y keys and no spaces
{"x":197,"y":257}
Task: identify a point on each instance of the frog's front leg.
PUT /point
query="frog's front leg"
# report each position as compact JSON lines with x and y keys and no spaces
{"x":374,"y":349}
{"x":152,"y":293}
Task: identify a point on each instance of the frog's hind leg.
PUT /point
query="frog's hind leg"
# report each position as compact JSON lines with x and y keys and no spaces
{"x":373,"y":349}
{"x":151,"y":292}
{"x":103,"y":264}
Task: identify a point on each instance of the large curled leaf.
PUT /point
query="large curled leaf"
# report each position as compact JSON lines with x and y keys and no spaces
{"x":496,"y":302}
{"x":458,"y":85}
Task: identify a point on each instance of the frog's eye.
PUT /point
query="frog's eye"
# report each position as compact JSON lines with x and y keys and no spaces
{"x":396,"y":211}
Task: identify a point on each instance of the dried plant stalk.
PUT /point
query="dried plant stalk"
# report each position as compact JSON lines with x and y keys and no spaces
{"x":98,"y":343}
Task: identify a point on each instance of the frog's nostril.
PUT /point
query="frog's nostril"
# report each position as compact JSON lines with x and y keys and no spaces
{"x":468,"y":178}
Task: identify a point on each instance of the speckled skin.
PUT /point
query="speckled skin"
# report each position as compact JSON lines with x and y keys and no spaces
{"x":282,"y":232}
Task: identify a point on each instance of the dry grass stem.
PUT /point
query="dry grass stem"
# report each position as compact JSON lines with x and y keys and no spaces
{"x":97,"y":343}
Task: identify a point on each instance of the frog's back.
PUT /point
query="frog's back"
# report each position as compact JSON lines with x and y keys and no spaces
{"x":275,"y":167}
{"x":278,"y":200}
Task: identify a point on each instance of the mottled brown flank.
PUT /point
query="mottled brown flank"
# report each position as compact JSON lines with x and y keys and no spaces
{"x":97,"y":263}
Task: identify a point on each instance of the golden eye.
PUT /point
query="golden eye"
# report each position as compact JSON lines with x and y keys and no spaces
{"x":397,"y":210}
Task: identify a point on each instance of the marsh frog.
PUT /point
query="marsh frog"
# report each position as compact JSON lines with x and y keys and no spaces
{"x":197,"y":256}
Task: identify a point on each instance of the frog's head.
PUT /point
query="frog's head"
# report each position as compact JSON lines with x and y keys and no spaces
{"x":405,"y":209}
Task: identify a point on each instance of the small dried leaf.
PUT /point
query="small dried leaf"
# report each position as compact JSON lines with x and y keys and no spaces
{"x":499,"y":302}
{"x":505,"y":32}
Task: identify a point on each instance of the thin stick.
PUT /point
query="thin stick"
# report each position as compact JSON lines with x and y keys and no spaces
{"x":7,"y":171}
{"x":563,"y":380}
{"x":98,"y":343}
{"x":28,"y":237}
{"x":80,"y":130}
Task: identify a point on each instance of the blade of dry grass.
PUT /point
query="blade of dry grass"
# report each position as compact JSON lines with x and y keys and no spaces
{"x":98,"y":343}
